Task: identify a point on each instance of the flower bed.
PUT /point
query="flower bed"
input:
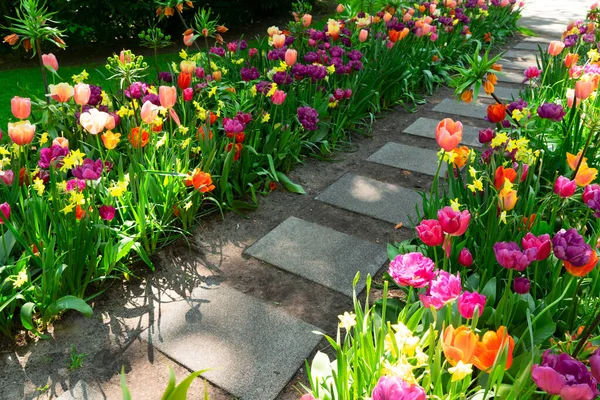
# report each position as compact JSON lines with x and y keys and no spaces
{"x":93,"y":179}
{"x":500,"y":285}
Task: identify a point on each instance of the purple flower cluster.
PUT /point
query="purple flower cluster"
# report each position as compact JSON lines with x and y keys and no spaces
{"x":166,"y":77}
{"x":249,"y":74}
{"x":95,"y":95}
{"x":516,"y":105}
{"x":277,"y":54}
{"x":152,"y":98}
{"x":563,"y":375}
{"x":554,"y":112}
{"x":308,"y":117}
{"x":570,"y":246}
{"x":571,"y":40}
{"x":219,"y":51}
{"x":50,"y":154}
{"x":509,"y":255}
{"x":137,"y":90}
{"x":263,"y":87}
{"x":591,"y":197}
{"x":90,"y":170}
{"x":282,"y":78}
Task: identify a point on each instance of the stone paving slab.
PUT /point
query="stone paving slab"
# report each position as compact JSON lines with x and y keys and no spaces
{"x":503,"y":93}
{"x":452,"y":106}
{"x":532,"y":46}
{"x":425,"y":127}
{"x":374,"y":198}
{"x":511,"y":77}
{"x":252,"y":349}
{"x":320,"y":254}
{"x":81,"y":391}
{"x":516,"y":64}
{"x":409,"y":158}
{"x":521,"y":54}
{"x":537,"y":39}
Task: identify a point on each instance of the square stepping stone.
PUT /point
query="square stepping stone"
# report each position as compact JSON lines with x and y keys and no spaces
{"x":460,"y":108}
{"x":517,"y":64}
{"x":503,"y":93}
{"x":252,"y":349}
{"x":525,"y":55}
{"x":510,"y":76}
{"x":320,"y":254}
{"x":425,"y":127}
{"x":81,"y":391}
{"x":530,"y":45}
{"x":537,"y":39}
{"x":374,"y":198}
{"x":410,"y":158}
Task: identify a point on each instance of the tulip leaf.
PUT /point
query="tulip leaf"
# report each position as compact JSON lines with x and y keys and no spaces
{"x":289,"y":185}
{"x":70,"y":303}
{"x":27,"y":316}
{"x":7,"y":242}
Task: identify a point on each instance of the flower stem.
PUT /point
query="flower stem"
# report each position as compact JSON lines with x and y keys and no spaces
{"x":38,"y":47}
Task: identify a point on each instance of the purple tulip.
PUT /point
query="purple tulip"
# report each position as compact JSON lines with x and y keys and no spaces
{"x":571,"y":246}
{"x":591,"y":197}
{"x":595,"y":364}
{"x":561,"y":374}
{"x":516,"y":105}
{"x":249,"y":74}
{"x":166,"y":77}
{"x":5,"y":210}
{"x":394,"y":388}
{"x":308,"y":117}
{"x":509,"y":255}
{"x":486,"y":135}
{"x":90,"y":170}
{"x":554,"y":112}
{"x":521,"y":285}
{"x":107,"y":213}
{"x":50,"y":154}
{"x":541,"y":244}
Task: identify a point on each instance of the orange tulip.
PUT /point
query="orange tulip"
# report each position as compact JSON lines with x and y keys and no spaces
{"x":583,"y":89}
{"x":571,"y":59}
{"x":502,"y":174}
{"x":490,"y":345}
{"x":50,"y":61}
{"x":188,"y":40}
{"x":585,"y":175}
{"x":278,"y":41}
{"x":340,"y":8}
{"x":467,"y":96}
{"x":461,"y":156}
{"x":110,"y":139}
{"x":449,"y":134}
{"x":492,"y":78}
{"x":184,"y":80}
{"x":138,"y":140}
{"x":217,"y":75}
{"x":573,"y":160}
{"x":555,"y":47}
{"x":149,"y":112}
{"x":507,"y":198}
{"x":187,"y":67}
{"x":306,"y":20}
{"x":488,"y":87}
{"x":20,"y":107}
{"x":201,"y":181}
{"x":167,"y":96}
{"x":583,"y":270}
{"x":291,"y":56}
{"x":61,"y":92}
{"x":333,"y":29}
{"x":82,"y":93}
{"x":496,"y":112}
{"x":387,"y":17}
{"x":459,"y":344}
{"x":21,"y":133}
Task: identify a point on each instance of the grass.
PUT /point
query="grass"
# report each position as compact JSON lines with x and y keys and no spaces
{"x":27,"y":82}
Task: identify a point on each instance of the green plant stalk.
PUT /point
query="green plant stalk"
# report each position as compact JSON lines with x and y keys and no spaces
{"x":42,"y":69}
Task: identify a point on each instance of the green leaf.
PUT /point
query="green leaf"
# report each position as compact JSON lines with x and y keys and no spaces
{"x":180,"y":392}
{"x":124,"y":388}
{"x":170,"y":386}
{"x":289,"y":185}
{"x":7,"y":241}
{"x":70,"y":303}
{"x":27,"y":315}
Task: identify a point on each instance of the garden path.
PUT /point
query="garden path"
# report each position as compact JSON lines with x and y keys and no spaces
{"x":246,"y":296}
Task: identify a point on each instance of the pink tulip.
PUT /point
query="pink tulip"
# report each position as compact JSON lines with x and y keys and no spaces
{"x":465,"y":258}
{"x":61,"y":92}
{"x":149,"y":112}
{"x":453,"y":222}
{"x":564,"y":187}
{"x":188,"y":39}
{"x":278,"y":97}
{"x":111,"y":122}
{"x":448,"y":134}
{"x":291,"y":56}
{"x":442,"y":290}
{"x":278,"y":41}
{"x":394,"y":388}
{"x":124,"y":57}
{"x":583,"y":89}
{"x":49,"y":61}
{"x":20,"y":107}
{"x":340,"y":8}
{"x":306,"y":20}
{"x":82,"y":93}
{"x":188,"y":94}
{"x":22,"y":132}
{"x":555,"y":47}
{"x":363,"y":35}
{"x":167,"y":96}
{"x":412,"y":269}
{"x":430,"y":232}
{"x":7,"y":177}
{"x":107,"y":213}
{"x":542,"y":245}
{"x":4,"y":212}
{"x":467,"y":302}
{"x":94,"y":121}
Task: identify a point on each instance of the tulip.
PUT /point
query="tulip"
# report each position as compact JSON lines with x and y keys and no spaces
{"x":188,"y":40}
{"x":486,"y":135}
{"x":167,"y":96}
{"x":583,"y":89}
{"x":467,"y":302}
{"x":449,"y":134}
{"x":555,"y":48}
{"x":531,"y":73}
{"x":584,"y":269}
{"x":82,"y":93}
{"x":502,"y":174}
{"x":49,"y":61}
{"x":112,"y":121}
{"x":442,"y":290}
{"x":291,"y":56}
{"x":273,"y":30}
{"x":94,"y":121}
{"x":570,"y":246}
{"x":278,"y":41}
{"x":459,"y":344}
{"x":340,"y":8}
{"x":430,"y":232}
{"x":61,"y":141}
{"x":201,"y":181}
{"x":107,"y":213}
{"x":595,"y":364}
{"x":188,"y":94}
{"x":306,"y":20}
{"x":278,"y":97}
{"x":564,"y":187}
{"x":585,"y":175}
{"x":61,"y":92}
{"x":149,"y":112}
{"x":7,"y":177}
{"x":184,"y":80}
{"x":465,"y":258}
{"x":20,"y":107}
{"x":571,"y":59}
{"x":217,"y":75}
{"x":510,"y":256}
{"x":521,"y":285}
{"x":490,"y":345}
{"x":496,"y":113}
{"x":4,"y":212}
{"x":125,"y":57}
{"x":394,"y":388}
{"x":453,"y":222}
{"x":554,"y":112}
{"x":564,"y":376}
{"x":541,"y":244}
{"x":137,"y":139}
{"x":333,"y":29}
{"x":412,"y":269}
{"x":507,"y":198}
{"x":21,"y":133}
{"x":187,"y":67}
{"x":110,"y":139}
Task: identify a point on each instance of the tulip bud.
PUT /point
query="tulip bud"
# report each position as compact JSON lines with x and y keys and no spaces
{"x":306,"y":20}
{"x":340,"y":8}
{"x":82,"y":93}
{"x":49,"y":61}
{"x":465,"y":258}
{"x":521,"y":285}
{"x":5,"y":212}
{"x":291,"y":56}
{"x":363,"y":35}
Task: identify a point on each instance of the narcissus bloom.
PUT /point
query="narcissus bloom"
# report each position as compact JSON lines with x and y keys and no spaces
{"x":490,"y":345}
{"x":20,"y":107}
{"x":459,"y":344}
{"x":201,"y":181}
{"x":21,"y":133}
{"x":448,"y":134}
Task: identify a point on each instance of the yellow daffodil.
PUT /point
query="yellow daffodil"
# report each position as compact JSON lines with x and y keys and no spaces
{"x":347,"y":320}
{"x":460,"y":371}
